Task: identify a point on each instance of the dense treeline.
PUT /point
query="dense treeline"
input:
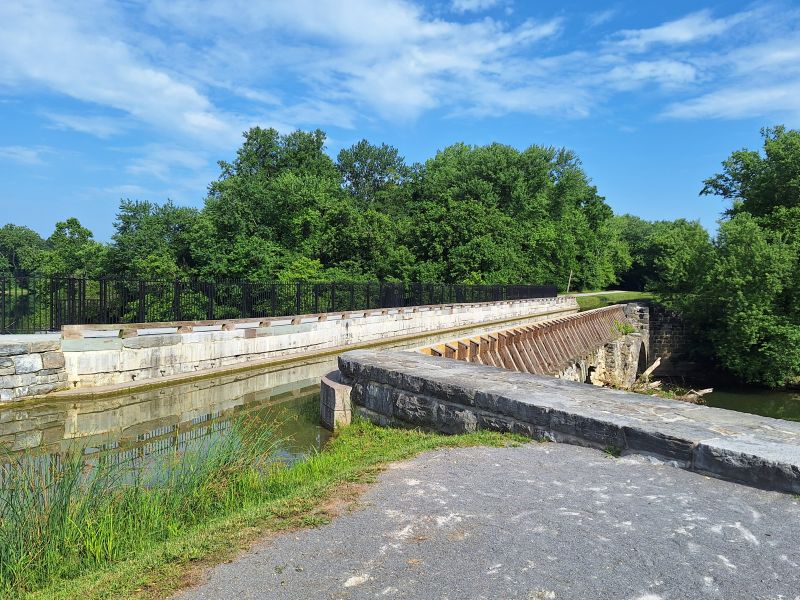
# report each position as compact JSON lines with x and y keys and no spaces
{"x":283,"y":209}
{"x":743,"y":289}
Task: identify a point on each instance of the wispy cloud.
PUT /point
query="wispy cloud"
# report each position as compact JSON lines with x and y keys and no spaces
{"x":98,"y":126}
{"x":62,"y":48}
{"x":698,"y":26}
{"x":601,"y":17}
{"x":340,"y":63}
{"x":463,"y":6}
{"x":161,"y":162}
{"x":25,"y":155}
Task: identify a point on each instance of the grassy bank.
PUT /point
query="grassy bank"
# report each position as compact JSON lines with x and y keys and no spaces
{"x":108,"y":535}
{"x":600,"y":300}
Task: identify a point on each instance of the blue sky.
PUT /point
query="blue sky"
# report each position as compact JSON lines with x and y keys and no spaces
{"x":104,"y":100}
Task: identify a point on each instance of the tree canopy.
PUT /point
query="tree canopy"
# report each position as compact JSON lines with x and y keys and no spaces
{"x":283,"y":209}
{"x":744,"y":292}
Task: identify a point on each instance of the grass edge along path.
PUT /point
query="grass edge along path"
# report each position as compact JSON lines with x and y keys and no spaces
{"x":600,"y":300}
{"x":355,"y":456}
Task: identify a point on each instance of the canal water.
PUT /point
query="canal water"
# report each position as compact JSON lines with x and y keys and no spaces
{"x":777,"y":404}
{"x":144,"y":425}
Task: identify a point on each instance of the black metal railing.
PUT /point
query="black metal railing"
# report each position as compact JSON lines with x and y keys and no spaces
{"x":32,"y":303}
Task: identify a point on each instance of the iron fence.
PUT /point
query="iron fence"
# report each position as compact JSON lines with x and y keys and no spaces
{"x":33,"y":304}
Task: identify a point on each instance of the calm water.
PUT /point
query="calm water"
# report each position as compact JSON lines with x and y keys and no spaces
{"x":144,"y":425}
{"x":781,"y":405}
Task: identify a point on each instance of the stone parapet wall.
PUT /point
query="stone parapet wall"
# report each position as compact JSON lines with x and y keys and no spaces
{"x":452,"y":396}
{"x":110,"y":355}
{"x":30,"y":366}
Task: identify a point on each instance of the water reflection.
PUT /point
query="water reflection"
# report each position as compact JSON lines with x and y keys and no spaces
{"x":149,"y":423}
{"x":174,"y":417}
{"x":777,"y":404}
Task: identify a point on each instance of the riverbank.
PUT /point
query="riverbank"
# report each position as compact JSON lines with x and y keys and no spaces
{"x":305,"y":494}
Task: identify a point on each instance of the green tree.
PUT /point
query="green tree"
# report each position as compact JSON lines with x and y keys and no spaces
{"x":152,"y":240}
{"x":21,"y":249}
{"x":758,"y":183}
{"x":368,"y":170}
{"x":72,"y":250}
{"x":744,"y":295}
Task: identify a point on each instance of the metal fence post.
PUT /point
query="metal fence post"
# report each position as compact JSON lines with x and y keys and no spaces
{"x":141,"y":310}
{"x":298,"y":298}
{"x":103,"y":300}
{"x":3,"y":304}
{"x":211,"y":293}
{"x":176,"y":300}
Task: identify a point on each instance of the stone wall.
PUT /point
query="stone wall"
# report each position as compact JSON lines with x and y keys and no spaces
{"x":671,"y":340}
{"x":110,"y":355}
{"x":452,"y":396}
{"x":30,"y":365}
{"x":616,"y":364}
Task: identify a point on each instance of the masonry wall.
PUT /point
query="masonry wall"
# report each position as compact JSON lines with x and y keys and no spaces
{"x":112,"y":355}
{"x":29,"y":366}
{"x":410,"y":389}
{"x":671,"y":339}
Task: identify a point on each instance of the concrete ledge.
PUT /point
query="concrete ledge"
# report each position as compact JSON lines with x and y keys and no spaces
{"x":447,"y":395}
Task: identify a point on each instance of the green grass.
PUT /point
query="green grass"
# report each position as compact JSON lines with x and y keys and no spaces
{"x":600,"y":300}
{"x":108,"y":535}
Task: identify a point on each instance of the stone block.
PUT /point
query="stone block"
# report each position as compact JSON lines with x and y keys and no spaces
{"x":91,"y":344}
{"x":53,"y":360}
{"x":418,"y":410}
{"x":452,"y":419}
{"x":12,"y":381}
{"x":151,"y":341}
{"x":759,"y":462}
{"x":46,"y":345}
{"x":663,"y":445}
{"x":28,"y":363}
{"x":6,"y":394}
{"x":12,"y":348}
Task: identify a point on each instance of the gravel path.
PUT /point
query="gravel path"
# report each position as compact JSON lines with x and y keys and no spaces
{"x":541,"y":521}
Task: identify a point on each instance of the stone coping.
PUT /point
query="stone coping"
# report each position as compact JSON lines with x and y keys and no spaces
{"x":111,"y":390}
{"x":160,"y":328}
{"x":453,"y":396}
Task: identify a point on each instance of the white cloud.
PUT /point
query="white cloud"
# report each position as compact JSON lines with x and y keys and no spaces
{"x":196,"y":75}
{"x":463,"y":6}
{"x":161,"y":162}
{"x":779,"y":100}
{"x":695,"y":27}
{"x":601,"y":17}
{"x":669,"y":73}
{"x":98,"y":126}
{"x":24,"y":155}
{"x":61,"y":48}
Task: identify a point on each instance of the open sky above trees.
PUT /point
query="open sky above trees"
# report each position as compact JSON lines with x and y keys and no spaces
{"x":101,"y":101}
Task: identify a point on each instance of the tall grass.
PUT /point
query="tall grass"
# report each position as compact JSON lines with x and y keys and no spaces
{"x":61,"y":518}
